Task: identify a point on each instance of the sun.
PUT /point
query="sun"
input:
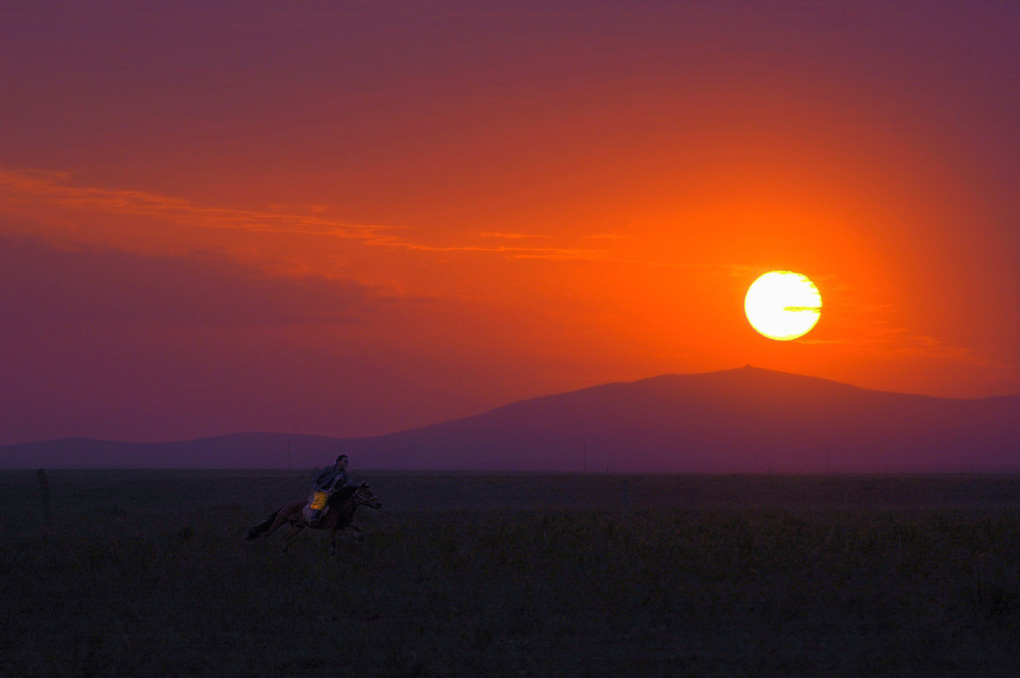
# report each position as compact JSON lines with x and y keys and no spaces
{"x":783,"y":305}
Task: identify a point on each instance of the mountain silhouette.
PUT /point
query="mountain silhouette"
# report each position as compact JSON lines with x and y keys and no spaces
{"x":746,"y":420}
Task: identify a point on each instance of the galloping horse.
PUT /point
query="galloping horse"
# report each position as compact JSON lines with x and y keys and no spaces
{"x":341,"y":504}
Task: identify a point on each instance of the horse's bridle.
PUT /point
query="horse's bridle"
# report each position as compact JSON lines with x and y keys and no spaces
{"x":371,"y":501}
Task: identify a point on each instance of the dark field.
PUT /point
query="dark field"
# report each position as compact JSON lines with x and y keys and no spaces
{"x":147,"y":573}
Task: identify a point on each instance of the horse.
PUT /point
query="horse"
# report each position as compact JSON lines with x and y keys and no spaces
{"x":341,"y":506}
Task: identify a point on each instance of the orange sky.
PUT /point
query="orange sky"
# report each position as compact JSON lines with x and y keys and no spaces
{"x":356,"y":218}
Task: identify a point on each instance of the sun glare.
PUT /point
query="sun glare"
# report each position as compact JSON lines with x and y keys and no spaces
{"x":783,"y":305}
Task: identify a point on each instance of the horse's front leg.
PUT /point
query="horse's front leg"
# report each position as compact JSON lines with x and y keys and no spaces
{"x":294,"y":529}
{"x":358,"y":536}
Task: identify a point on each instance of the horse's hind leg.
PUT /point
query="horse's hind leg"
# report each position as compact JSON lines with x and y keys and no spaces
{"x":294,"y":529}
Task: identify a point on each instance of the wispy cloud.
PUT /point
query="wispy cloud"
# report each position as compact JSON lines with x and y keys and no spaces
{"x":44,"y":286}
{"x":903,"y":343}
{"x":53,"y":188}
{"x":513,"y":236}
{"x":559,"y":253}
{"x":56,"y":189}
{"x":912,"y":345}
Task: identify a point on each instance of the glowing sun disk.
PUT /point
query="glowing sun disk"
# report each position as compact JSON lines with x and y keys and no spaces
{"x":783,"y":305}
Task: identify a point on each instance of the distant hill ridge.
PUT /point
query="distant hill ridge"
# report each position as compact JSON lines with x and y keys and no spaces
{"x":746,"y":420}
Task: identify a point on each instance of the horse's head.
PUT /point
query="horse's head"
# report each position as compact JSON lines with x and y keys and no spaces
{"x":366,"y":497}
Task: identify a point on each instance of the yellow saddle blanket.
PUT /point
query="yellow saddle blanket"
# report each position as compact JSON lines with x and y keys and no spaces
{"x":318,"y":503}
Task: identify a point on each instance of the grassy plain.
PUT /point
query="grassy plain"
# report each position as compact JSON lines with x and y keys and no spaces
{"x":147,"y":573}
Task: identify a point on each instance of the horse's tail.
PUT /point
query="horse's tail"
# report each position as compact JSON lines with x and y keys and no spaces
{"x":263,"y":527}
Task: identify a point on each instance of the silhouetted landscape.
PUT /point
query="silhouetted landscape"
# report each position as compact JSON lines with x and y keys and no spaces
{"x":147,"y":572}
{"x":747,"y":420}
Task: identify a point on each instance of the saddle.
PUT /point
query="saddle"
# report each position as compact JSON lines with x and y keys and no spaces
{"x":309,"y":513}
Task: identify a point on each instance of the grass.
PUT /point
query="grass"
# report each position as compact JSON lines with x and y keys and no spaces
{"x":147,"y":573}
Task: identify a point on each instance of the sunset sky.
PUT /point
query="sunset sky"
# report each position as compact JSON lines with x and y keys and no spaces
{"x":351,"y":218}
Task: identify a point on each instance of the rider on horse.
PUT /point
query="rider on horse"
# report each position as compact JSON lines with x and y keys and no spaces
{"x":325,"y":482}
